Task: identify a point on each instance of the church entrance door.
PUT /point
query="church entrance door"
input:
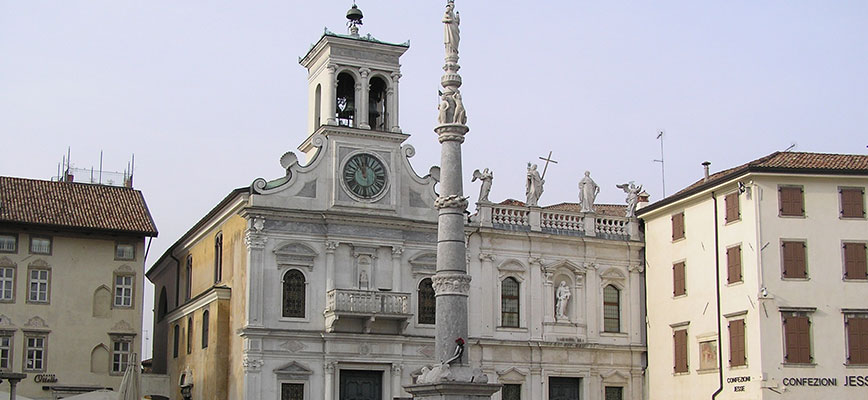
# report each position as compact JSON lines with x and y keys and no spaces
{"x":564,"y":388}
{"x":361,"y":385}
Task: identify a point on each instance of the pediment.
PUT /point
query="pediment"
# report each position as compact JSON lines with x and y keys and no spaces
{"x":293,"y":370}
{"x":36,"y":323}
{"x":565,"y":264}
{"x":613,"y":376}
{"x":122,"y":327}
{"x":512,"y":374}
{"x":295,"y":254}
{"x":511,"y":265}
{"x":39,"y":263}
{"x":6,"y":262}
{"x":424,"y":263}
{"x":612,"y":274}
{"x":125,"y":269}
{"x":5,"y":322}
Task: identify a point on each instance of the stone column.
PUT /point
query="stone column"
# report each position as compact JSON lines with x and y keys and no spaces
{"x":330,"y":248}
{"x":255,"y":240}
{"x":329,"y":381}
{"x":393,"y":115}
{"x":362,"y":98}
{"x":330,"y":94}
{"x":397,"y":252}
{"x":549,"y":293}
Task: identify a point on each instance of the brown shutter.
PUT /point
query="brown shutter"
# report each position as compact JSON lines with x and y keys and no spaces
{"x":852,"y":203}
{"x":733,"y":212}
{"x":791,"y":199}
{"x":736,"y":343}
{"x":681,"y":350}
{"x":854,"y":261}
{"x":794,"y":260}
{"x":678,"y":279}
{"x":797,"y":335}
{"x":733,"y":264}
{"x":857,"y":340}
{"x":678,"y":226}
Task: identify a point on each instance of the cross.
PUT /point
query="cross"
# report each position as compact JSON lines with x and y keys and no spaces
{"x":547,"y":160}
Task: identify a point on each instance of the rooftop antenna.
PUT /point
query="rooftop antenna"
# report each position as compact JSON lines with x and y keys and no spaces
{"x":792,"y":146}
{"x":662,"y":170}
{"x":100,"y":167}
{"x":354,"y":15}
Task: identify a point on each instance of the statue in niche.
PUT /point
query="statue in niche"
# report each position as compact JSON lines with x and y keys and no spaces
{"x":632,"y":197}
{"x":452,"y":33}
{"x":588,"y":191}
{"x":562,"y":299}
{"x":460,"y":116}
{"x":534,"y":185}
{"x":486,"y":177}
{"x":363,"y":280}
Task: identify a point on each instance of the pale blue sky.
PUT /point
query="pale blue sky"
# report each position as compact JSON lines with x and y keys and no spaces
{"x":209,"y":94}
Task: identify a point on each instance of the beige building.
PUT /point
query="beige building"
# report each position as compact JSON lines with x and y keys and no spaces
{"x":71,"y":276}
{"x":756,"y":280}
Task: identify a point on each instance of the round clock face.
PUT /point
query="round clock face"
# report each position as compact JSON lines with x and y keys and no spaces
{"x":365,"y":175}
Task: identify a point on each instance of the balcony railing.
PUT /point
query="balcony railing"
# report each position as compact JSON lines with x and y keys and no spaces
{"x":367,"y":306}
{"x":517,"y":217}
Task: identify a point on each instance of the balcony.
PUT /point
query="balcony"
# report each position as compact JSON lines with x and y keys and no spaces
{"x":367,"y":311}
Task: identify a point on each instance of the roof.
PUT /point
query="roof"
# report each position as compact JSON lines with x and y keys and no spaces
{"x":615,"y":210}
{"x":78,"y":206}
{"x":777,"y":162}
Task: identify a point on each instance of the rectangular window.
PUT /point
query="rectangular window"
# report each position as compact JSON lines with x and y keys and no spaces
{"x":120,"y":354}
{"x":8,"y":243}
{"x":125,"y":251}
{"x":34,"y":353}
{"x":679,"y":282}
{"x":733,"y":211}
{"x":855,"y":261}
{"x":680,"y":339}
{"x":678,"y":226}
{"x":509,"y":296}
{"x":611,"y":309}
{"x":40,"y":245}
{"x":797,"y":338}
{"x":124,"y":290}
{"x":852,"y":202}
{"x":708,"y":355}
{"x":511,"y":392}
{"x":737,"y":356}
{"x":5,"y":351}
{"x":857,"y":339}
{"x":614,"y":393}
{"x":733,"y":264}
{"x":291,"y":391}
{"x":38,"y":292}
{"x":794,"y":265}
{"x":7,"y":283}
{"x":792,"y":201}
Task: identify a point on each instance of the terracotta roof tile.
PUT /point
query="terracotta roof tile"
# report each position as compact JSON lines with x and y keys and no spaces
{"x":74,"y":205}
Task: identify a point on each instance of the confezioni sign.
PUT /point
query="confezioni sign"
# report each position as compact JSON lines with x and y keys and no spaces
{"x":810,"y":381}
{"x":738,"y":379}
{"x":45,"y":378}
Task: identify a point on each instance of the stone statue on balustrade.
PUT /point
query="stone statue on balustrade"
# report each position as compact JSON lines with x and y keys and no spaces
{"x":534,"y":186}
{"x":632,"y":197}
{"x":486,"y":177}
{"x":562,"y":299}
{"x":588,"y":191}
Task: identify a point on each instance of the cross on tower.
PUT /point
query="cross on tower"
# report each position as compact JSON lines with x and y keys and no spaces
{"x":547,"y":160}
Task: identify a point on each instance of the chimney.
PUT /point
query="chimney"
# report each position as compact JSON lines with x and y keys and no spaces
{"x":643,"y":200}
{"x":705,"y":165}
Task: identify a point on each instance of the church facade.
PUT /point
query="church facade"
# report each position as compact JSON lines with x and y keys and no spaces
{"x":317,"y":284}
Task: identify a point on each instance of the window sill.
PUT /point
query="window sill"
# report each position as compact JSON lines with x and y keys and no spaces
{"x":681,"y":239}
{"x":862,"y":218}
{"x":732,"y":222}
{"x":681,"y":373}
{"x":511,"y":329}
{"x":736,"y":283}
{"x":294,"y":319}
{"x":860,"y":280}
{"x":614,"y":334}
{"x":705,"y":371}
{"x":854,"y":366}
{"x":737,"y":367}
{"x":798,"y":365}
{"x":793,"y":216}
{"x":39,"y":303}
{"x":680,"y":296}
{"x":806,"y":279}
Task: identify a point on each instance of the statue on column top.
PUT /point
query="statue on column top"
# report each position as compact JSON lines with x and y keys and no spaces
{"x":452,"y":33}
{"x":588,"y":191}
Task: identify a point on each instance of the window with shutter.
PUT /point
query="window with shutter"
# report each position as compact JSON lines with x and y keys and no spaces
{"x":854,"y":261}
{"x":852,"y":202}
{"x":680,"y":337}
{"x":857,"y":339}
{"x":791,"y":201}
{"x":733,"y":210}
{"x":678,"y":226}
{"x":798,"y":339}
{"x":737,"y":356}
{"x":794,"y":265}
{"x":733,"y":264}
{"x":679,"y":281}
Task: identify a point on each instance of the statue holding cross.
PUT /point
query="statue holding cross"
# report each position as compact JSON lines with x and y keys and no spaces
{"x":535,"y":181}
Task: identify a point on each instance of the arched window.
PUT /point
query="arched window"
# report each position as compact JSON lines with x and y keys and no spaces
{"x":509,"y":291}
{"x":377,"y":107}
{"x":346,"y":99}
{"x":293,"y":294}
{"x":163,"y":306}
{"x":176,"y":339}
{"x":205,"y":329}
{"x":427,"y":304}
{"x":611,"y":309}
{"x":189,"y":335}
{"x":218,"y":258}
{"x":189,"y":279}
{"x":317,"y":111}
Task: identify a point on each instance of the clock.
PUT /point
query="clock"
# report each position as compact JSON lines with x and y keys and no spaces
{"x":365,"y":176}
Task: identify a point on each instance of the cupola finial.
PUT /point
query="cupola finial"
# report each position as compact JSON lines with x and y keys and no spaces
{"x":354,"y":15}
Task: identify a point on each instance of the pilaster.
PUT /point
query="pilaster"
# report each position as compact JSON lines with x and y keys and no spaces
{"x":255,"y":239}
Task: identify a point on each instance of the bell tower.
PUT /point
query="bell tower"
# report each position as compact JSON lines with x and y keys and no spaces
{"x":353,"y":80}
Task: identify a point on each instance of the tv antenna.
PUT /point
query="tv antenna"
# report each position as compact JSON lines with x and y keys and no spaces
{"x":662,"y":170}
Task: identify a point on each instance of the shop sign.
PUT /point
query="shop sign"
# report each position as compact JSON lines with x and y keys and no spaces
{"x":45,"y":378}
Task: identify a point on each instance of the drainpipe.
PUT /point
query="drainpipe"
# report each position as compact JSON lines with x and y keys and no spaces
{"x":717,"y":287}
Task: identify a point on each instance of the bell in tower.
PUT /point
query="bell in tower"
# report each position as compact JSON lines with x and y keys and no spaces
{"x":353,"y":80}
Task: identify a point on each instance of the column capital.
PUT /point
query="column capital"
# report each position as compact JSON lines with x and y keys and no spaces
{"x":487,"y":257}
{"x":451,"y":284}
{"x":397,"y":251}
{"x":255,"y":240}
{"x":331,"y":246}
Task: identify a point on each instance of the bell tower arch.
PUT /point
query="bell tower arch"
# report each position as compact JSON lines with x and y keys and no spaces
{"x":353,"y":80}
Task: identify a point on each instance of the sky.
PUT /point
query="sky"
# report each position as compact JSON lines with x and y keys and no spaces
{"x":209,"y":94}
